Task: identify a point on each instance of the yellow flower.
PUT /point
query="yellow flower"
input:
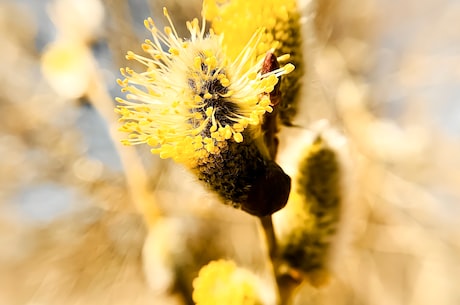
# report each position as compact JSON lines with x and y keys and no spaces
{"x":223,"y":283}
{"x":238,"y":19}
{"x":194,"y":99}
{"x":203,"y":108}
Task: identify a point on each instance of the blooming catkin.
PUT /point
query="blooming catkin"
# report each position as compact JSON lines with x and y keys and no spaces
{"x":204,"y":108}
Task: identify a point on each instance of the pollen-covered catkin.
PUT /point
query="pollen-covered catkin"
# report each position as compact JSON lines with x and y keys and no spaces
{"x":204,"y":107}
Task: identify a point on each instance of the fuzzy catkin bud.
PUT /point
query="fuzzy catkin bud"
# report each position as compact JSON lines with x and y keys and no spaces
{"x":315,"y":208}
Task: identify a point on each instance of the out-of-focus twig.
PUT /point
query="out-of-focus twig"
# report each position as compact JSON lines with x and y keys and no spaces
{"x":136,"y":176}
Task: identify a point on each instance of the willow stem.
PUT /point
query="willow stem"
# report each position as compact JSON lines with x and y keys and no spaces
{"x":286,"y":284}
{"x":136,"y":176}
{"x":267,"y":225}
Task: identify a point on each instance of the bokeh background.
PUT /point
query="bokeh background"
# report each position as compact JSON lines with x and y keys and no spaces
{"x":84,"y":220}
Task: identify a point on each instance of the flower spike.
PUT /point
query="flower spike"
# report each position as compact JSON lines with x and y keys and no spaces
{"x":203,"y":108}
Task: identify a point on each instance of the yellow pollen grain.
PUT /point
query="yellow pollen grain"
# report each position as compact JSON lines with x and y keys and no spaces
{"x":197,"y":99}
{"x":238,"y":137}
{"x":198,"y":145}
{"x":211,"y":62}
{"x":197,"y":63}
{"x":208,"y":53}
{"x":166,"y":154}
{"x":289,"y":68}
{"x":227,"y":132}
{"x":209,"y":111}
{"x":174,"y":51}
{"x":283,"y":57}
{"x":225,"y":82}
{"x":210,"y":147}
{"x":152,"y":142}
{"x":252,"y":75}
{"x":168,"y":30}
{"x":197,"y":116}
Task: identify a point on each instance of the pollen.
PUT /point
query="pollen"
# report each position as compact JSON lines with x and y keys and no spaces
{"x":194,"y":98}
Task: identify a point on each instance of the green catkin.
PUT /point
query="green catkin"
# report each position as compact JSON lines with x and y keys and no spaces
{"x":318,"y":188}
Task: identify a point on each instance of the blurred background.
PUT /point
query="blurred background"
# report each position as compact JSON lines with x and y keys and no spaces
{"x":86,"y":221}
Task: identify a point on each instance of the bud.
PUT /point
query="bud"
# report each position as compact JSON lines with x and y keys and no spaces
{"x":309,"y":224}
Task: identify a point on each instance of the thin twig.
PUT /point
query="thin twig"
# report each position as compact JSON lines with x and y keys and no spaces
{"x":286,"y":283}
{"x":136,"y":176}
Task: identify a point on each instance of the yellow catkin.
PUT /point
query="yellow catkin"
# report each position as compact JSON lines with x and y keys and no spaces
{"x":203,"y":105}
{"x":191,"y":89}
{"x":222,"y":282}
{"x":237,"y":19}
